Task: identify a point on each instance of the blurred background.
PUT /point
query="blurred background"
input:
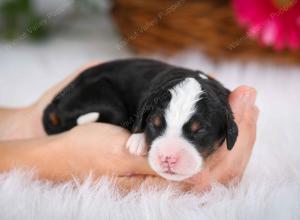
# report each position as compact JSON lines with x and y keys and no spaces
{"x":250,"y":42}
{"x":242,"y":41}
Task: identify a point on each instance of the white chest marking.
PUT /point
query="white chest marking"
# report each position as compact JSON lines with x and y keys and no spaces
{"x":88,"y":118}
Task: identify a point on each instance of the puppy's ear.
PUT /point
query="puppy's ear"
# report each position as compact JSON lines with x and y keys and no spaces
{"x":231,"y":130}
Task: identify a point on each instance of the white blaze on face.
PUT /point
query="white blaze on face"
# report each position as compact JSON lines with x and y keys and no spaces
{"x":171,"y":155}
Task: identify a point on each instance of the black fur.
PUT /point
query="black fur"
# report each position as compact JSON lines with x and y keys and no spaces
{"x":131,"y":92}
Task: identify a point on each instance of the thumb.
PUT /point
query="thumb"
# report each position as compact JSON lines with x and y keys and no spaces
{"x":241,"y":100}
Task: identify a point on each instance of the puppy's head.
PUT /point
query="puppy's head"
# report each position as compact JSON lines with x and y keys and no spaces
{"x":185,"y":122}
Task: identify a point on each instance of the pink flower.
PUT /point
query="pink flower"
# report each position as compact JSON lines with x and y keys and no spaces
{"x":274,"y":22}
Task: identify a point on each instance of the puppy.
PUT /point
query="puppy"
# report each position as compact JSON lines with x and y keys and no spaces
{"x":177,"y":116}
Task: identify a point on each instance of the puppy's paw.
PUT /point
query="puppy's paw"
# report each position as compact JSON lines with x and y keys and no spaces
{"x":136,"y":144}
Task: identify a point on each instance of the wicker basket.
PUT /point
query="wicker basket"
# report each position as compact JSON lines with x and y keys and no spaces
{"x":168,"y":26}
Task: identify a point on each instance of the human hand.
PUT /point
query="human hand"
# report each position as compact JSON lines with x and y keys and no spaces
{"x":100,"y":148}
{"x":223,"y":166}
{"x":96,"y":147}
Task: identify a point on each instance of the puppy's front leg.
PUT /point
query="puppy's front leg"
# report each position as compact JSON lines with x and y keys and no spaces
{"x":136,"y":144}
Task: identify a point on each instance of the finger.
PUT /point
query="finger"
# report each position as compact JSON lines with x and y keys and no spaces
{"x":201,"y":181}
{"x":240,"y":100}
{"x":139,"y":165}
{"x":251,"y":116}
{"x":247,"y":130}
{"x":199,"y":177}
{"x":237,"y":159}
{"x":124,"y":163}
{"x":227,"y":165}
{"x":212,"y":75}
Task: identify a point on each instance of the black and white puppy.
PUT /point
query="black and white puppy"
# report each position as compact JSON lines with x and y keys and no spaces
{"x":177,"y":116}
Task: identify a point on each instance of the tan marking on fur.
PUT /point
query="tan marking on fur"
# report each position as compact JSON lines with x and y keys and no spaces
{"x":54,"y":118}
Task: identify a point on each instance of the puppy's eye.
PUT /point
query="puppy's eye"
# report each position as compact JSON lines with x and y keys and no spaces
{"x":195,"y":127}
{"x":156,"y":121}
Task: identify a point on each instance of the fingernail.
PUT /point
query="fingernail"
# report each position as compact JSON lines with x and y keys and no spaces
{"x":249,"y":97}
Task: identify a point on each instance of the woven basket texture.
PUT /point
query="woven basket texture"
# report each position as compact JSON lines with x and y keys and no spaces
{"x":170,"y":26}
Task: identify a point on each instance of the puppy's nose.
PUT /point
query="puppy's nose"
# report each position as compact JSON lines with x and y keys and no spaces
{"x":168,"y":161}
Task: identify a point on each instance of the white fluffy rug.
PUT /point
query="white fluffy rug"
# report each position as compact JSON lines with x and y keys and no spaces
{"x":271,"y":185}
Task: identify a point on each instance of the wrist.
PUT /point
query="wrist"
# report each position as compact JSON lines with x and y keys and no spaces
{"x":34,"y":120}
{"x":20,"y":123}
{"x":39,"y":154}
{"x":54,"y":160}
